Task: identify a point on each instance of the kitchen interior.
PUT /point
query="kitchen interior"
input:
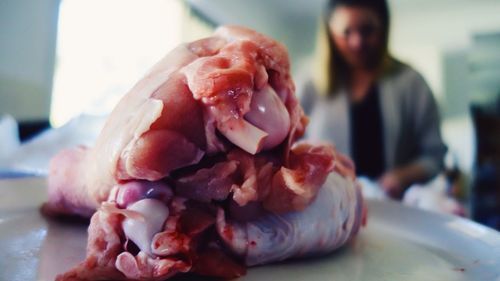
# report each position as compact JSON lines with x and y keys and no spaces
{"x":65,"y":63}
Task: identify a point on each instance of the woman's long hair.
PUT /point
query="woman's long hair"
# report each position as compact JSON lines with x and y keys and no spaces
{"x":330,"y":70}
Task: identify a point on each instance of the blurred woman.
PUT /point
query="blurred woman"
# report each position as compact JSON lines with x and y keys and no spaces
{"x":375,"y":108}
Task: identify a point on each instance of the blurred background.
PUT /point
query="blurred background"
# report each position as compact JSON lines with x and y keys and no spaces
{"x":63,"y":58}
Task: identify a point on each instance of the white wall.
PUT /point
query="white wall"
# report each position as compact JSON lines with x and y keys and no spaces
{"x":292,"y":22}
{"x":27,"y":47}
{"x":436,"y":37}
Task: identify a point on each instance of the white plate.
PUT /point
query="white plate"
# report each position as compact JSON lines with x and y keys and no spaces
{"x":399,"y":243}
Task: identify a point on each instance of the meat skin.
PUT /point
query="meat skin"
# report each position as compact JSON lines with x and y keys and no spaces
{"x":337,"y":213}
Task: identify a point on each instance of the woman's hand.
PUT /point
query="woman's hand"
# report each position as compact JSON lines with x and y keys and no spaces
{"x":396,"y":181}
{"x":391,"y":184}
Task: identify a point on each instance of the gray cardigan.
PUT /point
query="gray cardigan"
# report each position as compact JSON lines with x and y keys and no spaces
{"x":411,"y":127}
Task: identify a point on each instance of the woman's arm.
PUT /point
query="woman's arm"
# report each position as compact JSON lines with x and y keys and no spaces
{"x":428,"y":161}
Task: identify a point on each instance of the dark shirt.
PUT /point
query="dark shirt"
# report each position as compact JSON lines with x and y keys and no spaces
{"x":367,"y":141}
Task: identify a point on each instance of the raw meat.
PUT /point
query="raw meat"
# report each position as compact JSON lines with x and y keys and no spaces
{"x":198,"y":170}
